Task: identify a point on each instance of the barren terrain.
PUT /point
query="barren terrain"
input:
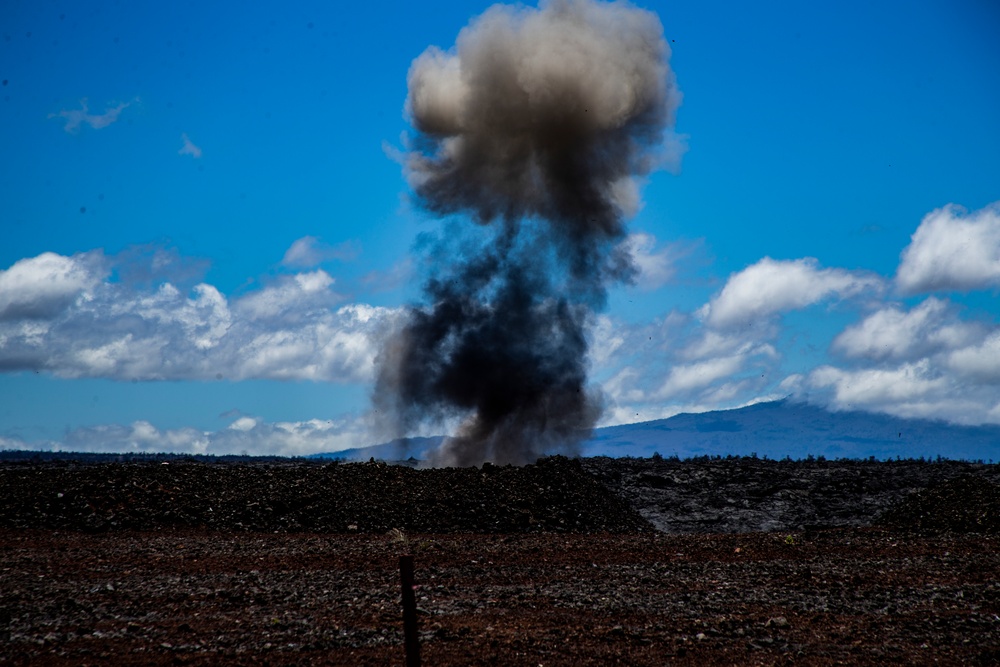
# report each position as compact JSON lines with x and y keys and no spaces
{"x":921,"y":587}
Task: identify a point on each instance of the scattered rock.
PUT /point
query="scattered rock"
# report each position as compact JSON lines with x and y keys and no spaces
{"x":554,"y":495}
{"x":966,"y":504}
{"x":748,"y":494}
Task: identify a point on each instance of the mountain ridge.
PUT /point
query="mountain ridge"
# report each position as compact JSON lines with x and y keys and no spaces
{"x":773,"y":429}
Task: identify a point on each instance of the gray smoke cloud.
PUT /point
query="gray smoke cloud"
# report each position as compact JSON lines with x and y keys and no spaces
{"x":536,"y":124}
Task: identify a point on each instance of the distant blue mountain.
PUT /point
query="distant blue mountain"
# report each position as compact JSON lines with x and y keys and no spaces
{"x":396,"y":450}
{"x":776,"y":429}
{"x":789,"y":428}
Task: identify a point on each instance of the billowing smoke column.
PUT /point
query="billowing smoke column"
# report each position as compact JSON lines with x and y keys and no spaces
{"x":535,"y":125}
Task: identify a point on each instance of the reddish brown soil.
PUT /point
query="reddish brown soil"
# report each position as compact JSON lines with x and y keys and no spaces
{"x":848,"y":596}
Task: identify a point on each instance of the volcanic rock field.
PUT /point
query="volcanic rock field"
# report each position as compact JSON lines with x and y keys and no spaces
{"x":568,"y":561}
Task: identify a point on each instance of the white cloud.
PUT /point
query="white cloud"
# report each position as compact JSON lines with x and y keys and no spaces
{"x":244,"y":435}
{"x":42,"y":286}
{"x":243,"y":424}
{"x":290,"y":296}
{"x":97,"y":328}
{"x":189,"y":148}
{"x":673,"y":365}
{"x":299,"y":438}
{"x":792,"y":384}
{"x":203,"y":317}
{"x":912,"y":390}
{"x":714,"y":344}
{"x":343,"y":349}
{"x":684,"y":378}
{"x":75,"y":118}
{"x":925,"y":362}
{"x":979,"y":362}
{"x":929,"y":360}
{"x":771,"y":286}
{"x":726,"y":363}
{"x":140,"y":436}
{"x":605,"y":339}
{"x":953,"y":250}
{"x":869,"y":387}
{"x":891,"y":333}
{"x":309,"y":251}
{"x":655,"y":265}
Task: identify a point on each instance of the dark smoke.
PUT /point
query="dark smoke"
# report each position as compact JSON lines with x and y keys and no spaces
{"x":537,"y":124}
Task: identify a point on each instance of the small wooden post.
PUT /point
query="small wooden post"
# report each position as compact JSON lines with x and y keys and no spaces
{"x":411,"y":640}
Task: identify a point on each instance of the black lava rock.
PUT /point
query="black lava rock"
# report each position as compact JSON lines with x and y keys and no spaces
{"x":555,"y":494}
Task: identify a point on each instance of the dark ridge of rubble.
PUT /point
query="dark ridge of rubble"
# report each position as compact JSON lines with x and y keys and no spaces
{"x":705,"y":495}
{"x":966,"y":504}
{"x":749,"y":494}
{"x":555,"y":494}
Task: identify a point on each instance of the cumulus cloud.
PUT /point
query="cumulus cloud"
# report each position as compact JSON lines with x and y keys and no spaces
{"x":290,"y":296}
{"x":709,"y":344}
{"x":605,"y":339}
{"x":978,"y":362}
{"x":309,"y":251}
{"x":148,"y":314}
{"x":896,"y":334}
{"x":654,"y":265}
{"x":76,"y":118}
{"x":64,"y":316}
{"x":299,"y":438}
{"x":42,"y":286}
{"x":772,"y":286}
{"x":685,"y":377}
{"x":922,"y":362}
{"x":928,"y":360}
{"x":876,"y":387}
{"x":655,"y":370}
{"x":953,"y":249}
{"x":914,"y":390}
{"x":139,"y":436}
{"x":244,"y":435}
{"x":188,"y":147}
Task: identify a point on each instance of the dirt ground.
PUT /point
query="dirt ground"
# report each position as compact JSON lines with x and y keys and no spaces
{"x":857,"y":596}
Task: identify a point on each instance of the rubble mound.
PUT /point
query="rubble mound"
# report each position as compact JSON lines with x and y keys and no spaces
{"x":555,"y":494}
{"x":966,"y":504}
{"x":747,"y":494}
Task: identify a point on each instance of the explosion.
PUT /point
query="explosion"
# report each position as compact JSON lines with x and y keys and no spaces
{"x":537,"y":125}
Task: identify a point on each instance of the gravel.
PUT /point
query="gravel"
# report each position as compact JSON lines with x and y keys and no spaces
{"x":286,"y":563}
{"x":554,"y":495}
{"x":845,"y":596}
{"x":747,"y":494}
{"x":966,"y":504}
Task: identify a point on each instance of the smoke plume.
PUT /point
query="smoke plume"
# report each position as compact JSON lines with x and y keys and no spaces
{"x":537,"y":125}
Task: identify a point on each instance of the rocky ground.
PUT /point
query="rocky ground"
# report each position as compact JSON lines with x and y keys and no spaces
{"x":123,"y":572}
{"x":743,"y":494}
{"x":556,"y":494}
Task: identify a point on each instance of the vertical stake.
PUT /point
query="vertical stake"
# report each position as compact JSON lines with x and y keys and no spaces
{"x":411,"y":641}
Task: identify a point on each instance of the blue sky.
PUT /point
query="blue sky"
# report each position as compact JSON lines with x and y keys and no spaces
{"x":206,"y":234}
